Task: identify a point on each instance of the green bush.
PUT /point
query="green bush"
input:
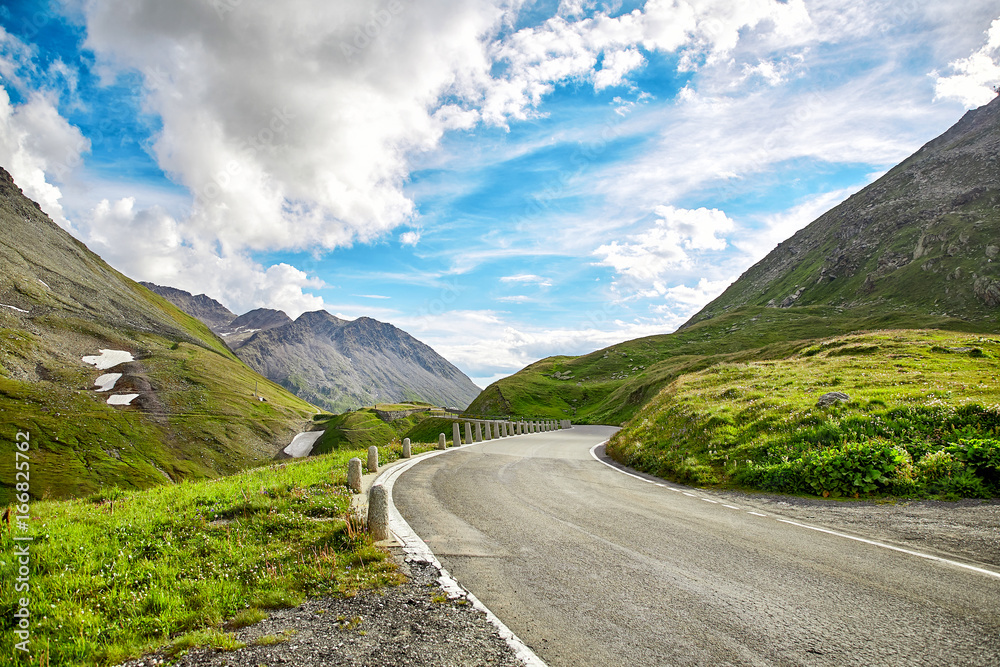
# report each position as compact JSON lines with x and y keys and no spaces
{"x":853,"y":469}
{"x":980,"y":456}
{"x":785,"y":477}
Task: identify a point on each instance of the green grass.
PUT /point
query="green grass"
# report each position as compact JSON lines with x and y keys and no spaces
{"x":126,"y":572}
{"x":363,"y":428}
{"x":609,"y":386}
{"x":205,"y":423}
{"x":924,"y":408}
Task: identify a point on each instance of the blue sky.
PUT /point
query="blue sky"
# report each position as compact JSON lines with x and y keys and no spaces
{"x":503,"y":179}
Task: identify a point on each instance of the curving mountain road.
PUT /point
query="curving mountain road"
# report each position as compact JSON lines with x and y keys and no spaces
{"x":590,"y":566}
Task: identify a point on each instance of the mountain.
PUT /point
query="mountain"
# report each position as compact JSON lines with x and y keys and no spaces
{"x":336,"y":364}
{"x":205,"y":308}
{"x":342,"y":365}
{"x":194,"y":413}
{"x":922,"y":238}
{"x":917,"y":249}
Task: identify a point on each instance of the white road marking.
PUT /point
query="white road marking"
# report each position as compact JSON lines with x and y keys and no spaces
{"x":918,"y":554}
{"x":714,"y":502}
{"x":418,"y":549}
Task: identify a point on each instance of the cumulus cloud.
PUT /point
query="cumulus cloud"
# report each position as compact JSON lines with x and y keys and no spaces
{"x":648,"y":256}
{"x":974,"y":79}
{"x":149,"y":244}
{"x":411,"y":237}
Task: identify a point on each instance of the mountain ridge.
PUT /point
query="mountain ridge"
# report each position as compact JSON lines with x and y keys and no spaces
{"x":335,"y":363}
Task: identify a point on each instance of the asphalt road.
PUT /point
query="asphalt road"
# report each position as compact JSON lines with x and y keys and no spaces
{"x":589,"y":566}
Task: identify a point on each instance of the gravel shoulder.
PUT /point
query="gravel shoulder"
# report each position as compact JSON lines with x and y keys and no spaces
{"x":413,"y":624}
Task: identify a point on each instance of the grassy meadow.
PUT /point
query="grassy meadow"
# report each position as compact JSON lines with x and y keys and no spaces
{"x":121,"y":573}
{"x":922,"y":420}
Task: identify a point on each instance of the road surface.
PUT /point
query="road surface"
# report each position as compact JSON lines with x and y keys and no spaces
{"x":590,"y":566}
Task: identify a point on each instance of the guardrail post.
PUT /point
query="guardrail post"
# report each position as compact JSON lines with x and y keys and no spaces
{"x":354,"y":474}
{"x":406,"y":448}
{"x":479,"y":432}
{"x":468,"y":433}
{"x":456,"y":438}
{"x":378,"y":513}
{"x":442,"y":441}
{"x":373,"y":459}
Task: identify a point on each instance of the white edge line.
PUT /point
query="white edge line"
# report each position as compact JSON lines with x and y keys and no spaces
{"x":418,"y":550}
{"x":973,"y":568}
{"x":910,"y":552}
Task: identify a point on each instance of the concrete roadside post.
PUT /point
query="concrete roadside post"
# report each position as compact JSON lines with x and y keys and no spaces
{"x":486,"y":431}
{"x":354,"y":474}
{"x":479,"y":432}
{"x":456,"y":439}
{"x":373,"y":459}
{"x":378,"y":513}
{"x":468,"y":433}
{"x":406,"y":448}
{"x":442,"y":441}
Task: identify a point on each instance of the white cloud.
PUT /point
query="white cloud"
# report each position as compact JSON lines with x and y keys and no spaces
{"x":975,"y":78}
{"x":411,"y":237}
{"x":649,"y":256}
{"x":149,"y":244}
{"x":529,"y":278}
{"x":292,"y":124}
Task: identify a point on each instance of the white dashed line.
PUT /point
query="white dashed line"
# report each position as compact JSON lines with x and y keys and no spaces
{"x":979,"y":570}
{"x":714,"y":502}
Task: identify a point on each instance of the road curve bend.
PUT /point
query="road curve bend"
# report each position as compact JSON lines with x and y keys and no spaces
{"x":589,"y":566}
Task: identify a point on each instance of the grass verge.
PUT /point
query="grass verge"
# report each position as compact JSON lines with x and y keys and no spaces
{"x":922,"y":420}
{"x":120,"y":573}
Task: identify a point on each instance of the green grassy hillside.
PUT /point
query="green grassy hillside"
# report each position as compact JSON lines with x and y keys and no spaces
{"x":923,"y":419}
{"x":123,"y":573}
{"x":610,"y":385}
{"x":196,"y":414}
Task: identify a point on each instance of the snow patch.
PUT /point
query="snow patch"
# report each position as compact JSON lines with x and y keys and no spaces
{"x":107,"y":381}
{"x":13,"y":308}
{"x":122,"y":399}
{"x":44,"y":283}
{"x":302,"y":444}
{"x":108,"y":358}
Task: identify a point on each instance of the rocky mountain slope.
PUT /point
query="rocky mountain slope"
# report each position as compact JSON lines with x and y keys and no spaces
{"x":919,"y":248}
{"x":192,"y":412}
{"x":333,"y":363}
{"x":342,"y":365}
{"x":924,"y":237}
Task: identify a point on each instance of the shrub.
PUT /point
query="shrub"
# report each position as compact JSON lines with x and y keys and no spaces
{"x":980,"y":456}
{"x":783,"y":477}
{"x":853,"y":469}
{"x":935,"y":466}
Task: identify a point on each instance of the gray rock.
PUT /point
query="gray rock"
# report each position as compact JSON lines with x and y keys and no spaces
{"x":832,"y":397}
{"x":354,"y":474}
